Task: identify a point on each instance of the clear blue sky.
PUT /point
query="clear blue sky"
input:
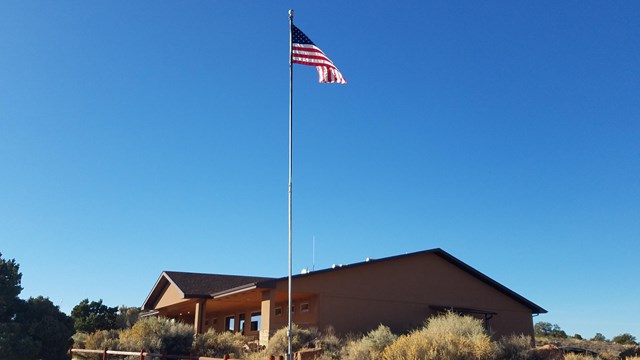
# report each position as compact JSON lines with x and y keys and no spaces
{"x":142,"y":136}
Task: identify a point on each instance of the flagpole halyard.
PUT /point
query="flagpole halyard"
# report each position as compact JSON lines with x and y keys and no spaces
{"x":290,"y":303}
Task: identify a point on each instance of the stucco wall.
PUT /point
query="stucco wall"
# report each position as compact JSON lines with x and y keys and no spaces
{"x":169,"y":297}
{"x":399,"y":294}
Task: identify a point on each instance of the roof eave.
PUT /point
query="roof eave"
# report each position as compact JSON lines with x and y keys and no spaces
{"x":235,"y":290}
{"x":155,"y":291}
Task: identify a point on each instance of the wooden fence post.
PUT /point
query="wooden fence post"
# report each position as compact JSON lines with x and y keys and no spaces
{"x":225,"y":357}
{"x":142,"y":354}
{"x":70,"y":352}
{"x":105,"y":356}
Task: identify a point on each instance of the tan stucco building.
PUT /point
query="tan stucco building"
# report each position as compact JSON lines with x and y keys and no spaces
{"x":400,"y":292}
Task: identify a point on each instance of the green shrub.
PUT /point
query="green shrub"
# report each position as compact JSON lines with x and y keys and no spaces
{"x":445,"y":337}
{"x":624,"y":339}
{"x":370,"y":346}
{"x":278,"y":343}
{"x":218,"y":344}
{"x":546,"y":329}
{"x":158,"y":334}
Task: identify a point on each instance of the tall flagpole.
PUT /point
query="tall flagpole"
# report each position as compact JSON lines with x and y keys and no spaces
{"x":289,"y":329}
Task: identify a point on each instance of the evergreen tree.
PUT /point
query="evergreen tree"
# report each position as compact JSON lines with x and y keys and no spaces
{"x":625,"y":339}
{"x":10,"y":280}
{"x":34,"y":329}
{"x":92,"y":316}
{"x":48,"y":327}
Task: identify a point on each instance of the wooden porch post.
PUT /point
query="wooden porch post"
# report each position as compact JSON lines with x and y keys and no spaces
{"x":200,"y":316}
{"x":266,"y":309}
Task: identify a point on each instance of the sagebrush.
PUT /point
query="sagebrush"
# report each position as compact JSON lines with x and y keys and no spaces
{"x":446,"y":337}
{"x":369,"y":346}
{"x":218,"y":344}
{"x":279,"y":342}
{"x":158,"y":334}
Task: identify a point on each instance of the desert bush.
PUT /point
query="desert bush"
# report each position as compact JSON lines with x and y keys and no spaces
{"x":101,"y":339}
{"x":330,"y":344}
{"x":356,"y":350}
{"x":79,"y":340}
{"x":445,"y":337}
{"x":279,"y":342}
{"x":514,"y":347}
{"x":218,"y":344}
{"x":158,"y":334}
{"x":609,"y":355}
{"x":369,"y":346}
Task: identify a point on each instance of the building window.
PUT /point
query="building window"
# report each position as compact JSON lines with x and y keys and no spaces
{"x":278,"y":311}
{"x":241,"y":327}
{"x":229,"y":323}
{"x":256,"y":318}
{"x":304,"y":307}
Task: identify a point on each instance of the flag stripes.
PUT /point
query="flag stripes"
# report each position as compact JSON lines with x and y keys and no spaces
{"x":305,"y":52}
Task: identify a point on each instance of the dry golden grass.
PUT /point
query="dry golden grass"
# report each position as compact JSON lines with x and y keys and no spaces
{"x":446,"y":337}
{"x":579,"y":357}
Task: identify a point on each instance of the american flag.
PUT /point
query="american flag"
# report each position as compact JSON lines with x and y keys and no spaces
{"x":305,"y":52}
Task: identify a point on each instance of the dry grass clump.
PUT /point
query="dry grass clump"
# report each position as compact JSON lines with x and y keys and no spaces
{"x":579,"y":357}
{"x":514,"y":347}
{"x":446,"y":337}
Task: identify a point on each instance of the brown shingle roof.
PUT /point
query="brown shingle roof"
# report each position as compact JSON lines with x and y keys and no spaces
{"x":444,"y":255}
{"x":196,"y":285}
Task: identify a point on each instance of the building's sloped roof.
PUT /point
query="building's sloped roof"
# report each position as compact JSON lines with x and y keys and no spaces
{"x":444,"y":255}
{"x":196,"y":285}
{"x":204,"y":285}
